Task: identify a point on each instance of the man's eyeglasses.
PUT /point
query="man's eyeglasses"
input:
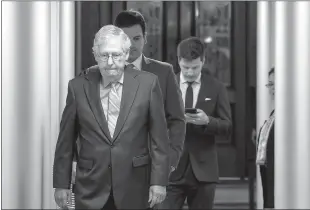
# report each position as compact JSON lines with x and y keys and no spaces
{"x":105,"y":57}
{"x":269,"y":84}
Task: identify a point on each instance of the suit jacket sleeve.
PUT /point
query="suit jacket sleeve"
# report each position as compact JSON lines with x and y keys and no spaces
{"x":221,"y":123}
{"x":175,"y":118}
{"x":159,"y":141}
{"x":66,"y":144}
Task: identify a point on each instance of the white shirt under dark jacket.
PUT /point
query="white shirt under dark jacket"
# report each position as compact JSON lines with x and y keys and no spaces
{"x":196,"y":88}
{"x":137,"y":63}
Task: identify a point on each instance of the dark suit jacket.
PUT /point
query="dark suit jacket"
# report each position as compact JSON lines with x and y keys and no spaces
{"x":173,"y":103}
{"x":200,"y":139}
{"x":127,"y":163}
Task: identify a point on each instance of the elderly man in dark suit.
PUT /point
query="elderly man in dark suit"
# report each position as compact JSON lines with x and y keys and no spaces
{"x":134,"y":25}
{"x":197,"y":172}
{"x":118,"y":114}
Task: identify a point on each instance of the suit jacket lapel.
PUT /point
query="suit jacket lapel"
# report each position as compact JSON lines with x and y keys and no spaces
{"x":146,"y":64}
{"x":92,"y":92}
{"x":205,"y":90}
{"x":130,"y":88}
{"x":178,"y":78}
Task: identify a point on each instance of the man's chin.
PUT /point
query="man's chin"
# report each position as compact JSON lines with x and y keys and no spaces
{"x":113,"y":72}
{"x":133,"y":57}
{"x":190,"y":79}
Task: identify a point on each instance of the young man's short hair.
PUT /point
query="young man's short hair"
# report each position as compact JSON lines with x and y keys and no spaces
{"x":128,"y":18}
{"x":271,"y":71}
{"x":191,"y":49}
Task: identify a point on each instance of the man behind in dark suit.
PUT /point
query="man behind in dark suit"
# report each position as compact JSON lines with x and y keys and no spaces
{"x":197,"y":173}
{"x":134,"y":25}
{"x":118,"y":114}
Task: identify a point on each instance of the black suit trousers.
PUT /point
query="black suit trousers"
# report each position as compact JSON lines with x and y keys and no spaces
{"x":110,"y":205}
{"x":199,"y":195}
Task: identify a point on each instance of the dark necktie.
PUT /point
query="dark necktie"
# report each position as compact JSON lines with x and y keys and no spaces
{"x":184,"y":160}
{"x":132,"y":66}
{"x":189,"y":97}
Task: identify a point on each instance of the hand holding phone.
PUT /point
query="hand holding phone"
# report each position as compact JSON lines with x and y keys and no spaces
{"x":191,"y":110}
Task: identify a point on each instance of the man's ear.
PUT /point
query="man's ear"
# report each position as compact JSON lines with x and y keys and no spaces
{"x":127,"y":56}
{"x":145,"y":37}
{"x":203,"y":61}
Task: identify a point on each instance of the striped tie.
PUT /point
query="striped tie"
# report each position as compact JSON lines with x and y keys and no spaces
{"x":114,"y":102}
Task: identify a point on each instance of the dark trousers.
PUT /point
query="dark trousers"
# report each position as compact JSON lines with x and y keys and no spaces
{"x":110,"y":205}
{"x":267,"y":175}
{"x":199,"y":195}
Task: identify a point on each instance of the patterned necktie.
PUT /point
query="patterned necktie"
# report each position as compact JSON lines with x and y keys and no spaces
{"x":114,"y":102}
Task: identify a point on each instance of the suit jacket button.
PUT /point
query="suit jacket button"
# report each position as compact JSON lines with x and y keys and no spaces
{"x":112,"y":145}
{"x":109,"y":166}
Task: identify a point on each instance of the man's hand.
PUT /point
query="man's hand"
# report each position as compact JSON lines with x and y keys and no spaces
{"x":62,"y":196}
{"x":73,"y":173}
{"x":200,"y":118}
{"x":157,"y":195}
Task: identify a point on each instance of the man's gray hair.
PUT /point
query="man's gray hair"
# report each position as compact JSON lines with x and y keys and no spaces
{"x":109,"y":31}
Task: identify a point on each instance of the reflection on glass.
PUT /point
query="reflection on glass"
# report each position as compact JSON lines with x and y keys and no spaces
{"x":213,"y":24}
{"x":153,"y":14}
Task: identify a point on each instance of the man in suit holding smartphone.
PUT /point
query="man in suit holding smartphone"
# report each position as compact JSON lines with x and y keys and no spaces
{"x":207,"y":115}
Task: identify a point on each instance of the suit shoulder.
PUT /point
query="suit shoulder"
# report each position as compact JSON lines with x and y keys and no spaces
{"x":145,"y":75}
{"x":93,"y":68}
{"x":212,"y":80}
{"x":161,"y":68}
{"x":77,"y":80}
{"x":161,"y":63}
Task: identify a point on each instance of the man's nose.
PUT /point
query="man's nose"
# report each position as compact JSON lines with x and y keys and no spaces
{"x":110,"y":60}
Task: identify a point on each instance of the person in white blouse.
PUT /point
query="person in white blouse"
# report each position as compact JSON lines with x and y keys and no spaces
{"x":265,"y":149}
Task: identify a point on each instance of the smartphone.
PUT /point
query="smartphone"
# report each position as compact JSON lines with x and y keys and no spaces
{"x":191,"y":110}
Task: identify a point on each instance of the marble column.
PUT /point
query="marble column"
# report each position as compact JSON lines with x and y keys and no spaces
{"x":38,"y":60}
{"x":292,"y":88}
{"x":265,"y":61}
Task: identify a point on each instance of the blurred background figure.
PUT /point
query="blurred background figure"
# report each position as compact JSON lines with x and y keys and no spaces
{"x":265,"y":150}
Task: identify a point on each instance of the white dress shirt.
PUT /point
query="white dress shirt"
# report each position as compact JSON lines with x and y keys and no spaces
{"x":137,"y":63}
{"x":196,"y":88}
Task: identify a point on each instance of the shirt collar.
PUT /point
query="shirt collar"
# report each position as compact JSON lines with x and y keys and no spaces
{"x":121,"y":81}
{"x":183,"y":80}
{"x":137,"y":62}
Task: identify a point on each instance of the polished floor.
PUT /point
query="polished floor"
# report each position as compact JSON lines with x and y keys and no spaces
{"x":230,"y":194}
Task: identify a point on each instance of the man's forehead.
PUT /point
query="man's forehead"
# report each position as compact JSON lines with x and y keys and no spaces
{"x":134,"y":30}
{"x":194,"y":62}
{"x":110,"y":39}
{"x":114,"y":43}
